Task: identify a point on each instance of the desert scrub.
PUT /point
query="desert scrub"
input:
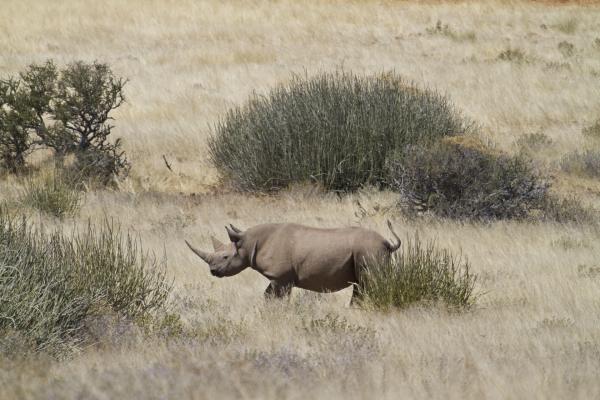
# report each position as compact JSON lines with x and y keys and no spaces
{"x":421,"y":273}
{"x":462,"y":178}
{"x":15,"y":140}
{"x":568,"y":26}
{"x":445,"y":30}
{"x":592,"y":131}
{"x":533,"y":141}
{"x":52,"y":193}
{"x":515,"y":55}
{"x":50,"y":283}
{"x":567,"y":49}
{"x":568,"y":210}
{"x":64,"y":109}
{"x":586,"y":163}
{"x":337,"y":129}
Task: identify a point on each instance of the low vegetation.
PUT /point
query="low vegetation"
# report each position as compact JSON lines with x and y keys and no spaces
{"x":585,"y":163}
{"x":515,"y":55}
{"x":567,"y":49}
{"x":445,"y":30}
{"x":51,"y":283}
{"x":567,"y":26}
{"x":461,"y":178}
{"x":53,"y":193}
{"x":421,"y":273}
{"x":337,"y":129}
{"x":533,"y":142}
{"x":592,"y":131}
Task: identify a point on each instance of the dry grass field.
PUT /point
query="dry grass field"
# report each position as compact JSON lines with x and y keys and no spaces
{"x":535,"y":331}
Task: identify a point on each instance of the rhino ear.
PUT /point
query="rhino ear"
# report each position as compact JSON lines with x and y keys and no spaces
{"x":216,"y":243}
{"x":233,"y":235}
{"x":238,"y":230}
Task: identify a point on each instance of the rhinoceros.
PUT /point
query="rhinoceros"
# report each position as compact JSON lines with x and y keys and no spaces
{"x":293,"y":255}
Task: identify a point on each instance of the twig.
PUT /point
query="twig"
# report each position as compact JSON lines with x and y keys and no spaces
{"x":167,"y":163}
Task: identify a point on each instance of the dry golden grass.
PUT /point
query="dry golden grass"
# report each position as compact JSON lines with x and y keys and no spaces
{"x":534,"y":334}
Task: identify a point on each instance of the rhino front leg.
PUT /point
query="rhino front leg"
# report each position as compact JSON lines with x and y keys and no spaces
{"x":278,"y":290}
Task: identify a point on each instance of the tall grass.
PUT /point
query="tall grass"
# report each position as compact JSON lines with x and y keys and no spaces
{"x":52,"y":193}
{"x":50,"y":283}
{"x":419,"y":274}
{"x":585,"y":163}
{"x":335,"y":128}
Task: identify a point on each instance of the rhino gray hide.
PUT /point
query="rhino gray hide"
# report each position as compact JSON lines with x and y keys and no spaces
{"x":292,"y":255}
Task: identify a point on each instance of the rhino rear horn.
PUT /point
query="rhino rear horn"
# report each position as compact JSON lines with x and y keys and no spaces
{"x":238,"y":230}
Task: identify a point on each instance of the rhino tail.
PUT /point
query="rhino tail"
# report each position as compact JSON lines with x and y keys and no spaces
{"x":390,"y":246}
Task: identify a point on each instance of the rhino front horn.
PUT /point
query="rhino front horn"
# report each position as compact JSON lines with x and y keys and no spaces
{"x":203,"y":255}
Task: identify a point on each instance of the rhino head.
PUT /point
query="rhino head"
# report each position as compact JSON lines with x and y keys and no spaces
{"x":231,"y":258}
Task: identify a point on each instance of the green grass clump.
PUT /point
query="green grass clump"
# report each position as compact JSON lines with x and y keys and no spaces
{"x":567,"y":49}
{"x":592,"y":131}
{"x":52,"y":193}
{"x":337,"y":129}
{"x":568,"y":26}
{"x":51,"y":283}
{"x":418,"y":274}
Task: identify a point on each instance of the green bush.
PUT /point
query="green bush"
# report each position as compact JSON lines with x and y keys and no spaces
{"x":15,"y":140}
{"x":67,"y":110}
{"x":51,"y":283}
{"x":419,"y":273}
{"x":461,"y":178}
{"x":52,"y":193}
{"x":335,"y":128}
{"x":99,"y":166}
{"x":445,"y":30}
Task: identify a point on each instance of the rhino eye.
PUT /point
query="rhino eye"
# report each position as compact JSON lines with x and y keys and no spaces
{"x":225,"y":257}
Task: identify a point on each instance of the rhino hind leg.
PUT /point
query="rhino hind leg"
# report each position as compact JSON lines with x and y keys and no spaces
{"x":278,"y":290}
{"x":357,"y":296}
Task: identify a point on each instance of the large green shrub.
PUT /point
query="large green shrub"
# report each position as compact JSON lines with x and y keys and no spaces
{"x":335,"y":128}
{"x":51,"y":283}
{"x":462,"y":178}
{"x":418,"y":273}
